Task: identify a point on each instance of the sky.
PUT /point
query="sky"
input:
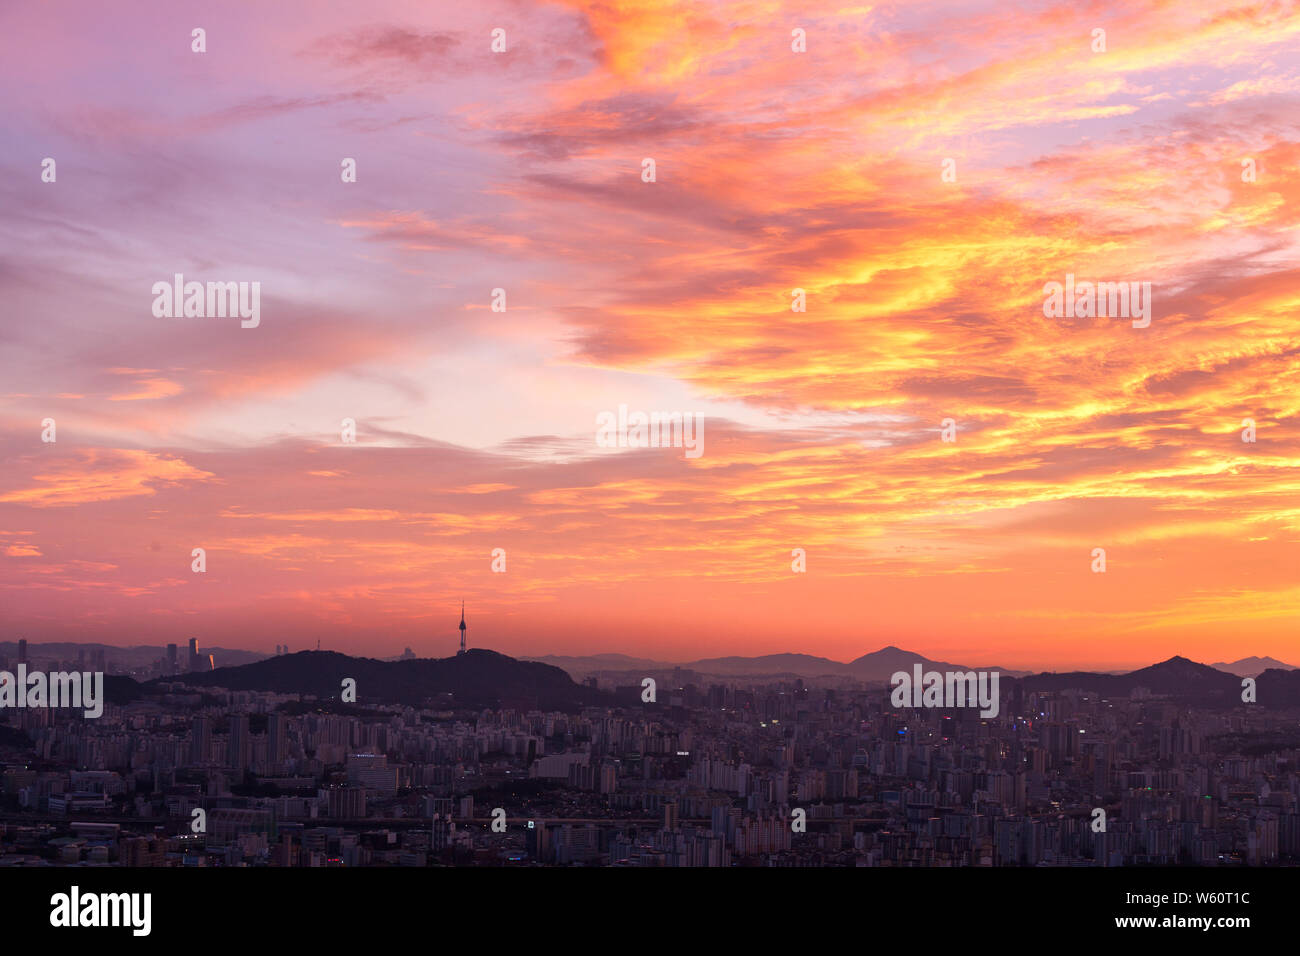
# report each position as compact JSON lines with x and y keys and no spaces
{"x":922,"y":171}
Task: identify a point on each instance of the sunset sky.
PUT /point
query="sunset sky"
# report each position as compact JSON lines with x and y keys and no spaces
{"x":775,"y":170}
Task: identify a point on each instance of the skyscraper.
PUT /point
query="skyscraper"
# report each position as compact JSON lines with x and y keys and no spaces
{"x":238,"y":754}
{"x":194,"y":654}
{"x":171,"y":659}
{"x":275,"y":740}
{"x":200,"y":740}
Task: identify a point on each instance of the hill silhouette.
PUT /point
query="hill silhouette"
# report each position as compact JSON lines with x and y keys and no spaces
{"x":768,"y":664}
{"x":1253,"y":666}
{"x":878,"y":666}
{"x":881,"y":665}
{"x":477,"y":679}
{"x":1179,"y":678}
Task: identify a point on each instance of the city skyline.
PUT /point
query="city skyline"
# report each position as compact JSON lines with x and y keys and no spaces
{"x":782,"y":662}
{"x":323,"y":761}
{"x":837,"y":266}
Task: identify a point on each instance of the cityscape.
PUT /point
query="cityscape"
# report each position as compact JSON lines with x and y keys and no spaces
{"x":675,"y":767}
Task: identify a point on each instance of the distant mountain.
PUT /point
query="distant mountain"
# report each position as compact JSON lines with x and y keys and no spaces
{"x":1177,"y":677}
{"x":882,"y":664}
{"x":477,"y":679}
{"x":875,"y":667}
{"x":485,"y":679}
{"x":803,"y":665}
{"x":1253,"y":666}
{"x":597,"y":662}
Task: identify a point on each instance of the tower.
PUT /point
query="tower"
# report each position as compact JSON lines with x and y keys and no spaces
{"x":462,"y":629}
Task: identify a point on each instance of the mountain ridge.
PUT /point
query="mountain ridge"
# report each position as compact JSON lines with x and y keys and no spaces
{"x":479,"y":678}
{"x":876,"y":665}
{"x":1253,"y":666}
{"x":483,"y":678}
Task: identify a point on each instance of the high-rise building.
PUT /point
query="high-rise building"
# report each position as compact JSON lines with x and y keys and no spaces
{"x":537,"y":841}
{"x":194,"y":654}
{"x":171,"y":659}
{"x":22,"y":649}
{"x":348,"y":802}
{"x":200,"y":740}
{"x":238,"y":751}
{"x":275,"y":740}
{"x":608,"y":778}
{"x":443,"y":830}
{"x":372,"y":772}
{"x":670,"y":815}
